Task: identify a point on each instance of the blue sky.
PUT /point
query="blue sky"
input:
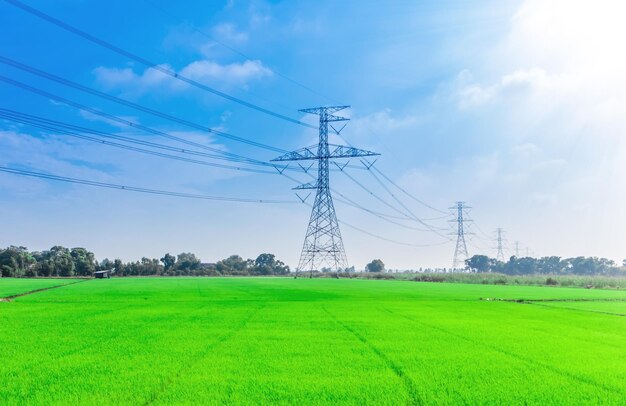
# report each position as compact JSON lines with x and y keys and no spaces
{"x":513,"y":106}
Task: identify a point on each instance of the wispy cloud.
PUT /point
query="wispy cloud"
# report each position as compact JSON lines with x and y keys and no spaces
{"x":206,"y":71}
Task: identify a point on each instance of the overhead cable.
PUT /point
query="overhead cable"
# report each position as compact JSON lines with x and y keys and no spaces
{"x":148,"y":63}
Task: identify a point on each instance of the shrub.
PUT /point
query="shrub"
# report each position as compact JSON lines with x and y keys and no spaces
{"x":429,"y":278}
{"x":551,"y":282}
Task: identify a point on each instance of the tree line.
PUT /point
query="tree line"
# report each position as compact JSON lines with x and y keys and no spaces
{"x":60,"y":261}
{"x":552,"y":265}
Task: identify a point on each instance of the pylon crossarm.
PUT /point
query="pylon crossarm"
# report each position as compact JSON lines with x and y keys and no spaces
{"x":335,"y":151}
{"x":310,"y":185}
{"x":342,"y":151}
{"x":306,"y":153}
{"x":329,"y":110}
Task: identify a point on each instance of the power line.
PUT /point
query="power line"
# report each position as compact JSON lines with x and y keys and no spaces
{"x":407,"y":193}
{"x":136,"y":189}
{"x":377,"y":197}
{"x":377,"y":236}
{"x":127,"y":147}
{"x":391,"y":240}
{"x":122,"y":120}
{"x":176,"y":194}
{"x":148,"y":63}
{"x":86,"y":89}
{"x":55,"y":126}
{"x":421,"y":221}
{"x":140,"y":60}
{"x":350,"y":202}
{"x":374,"y":195}
{"x":190,"y":196}
{"x":485,"y":235}
{"x":372,"y":168}
{"x":228,"y":155}
{"x":136,"y":106}
{"x":386,"y":217}
{"x":410,"y":213}
{"x":80,"y":129}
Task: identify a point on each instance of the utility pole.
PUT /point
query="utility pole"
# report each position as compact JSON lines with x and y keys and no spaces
{"x":500,"y":254}
{"x":323,"y":245}
{"x":460,"y":251}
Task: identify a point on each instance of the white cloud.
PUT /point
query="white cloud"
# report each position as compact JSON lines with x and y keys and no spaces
{"x":206,"y":71}
{"x":553,"y":90}
{"x":224,"y":39}
{"x":112,"y":78}
{"x":470,"y":93}
{"x":228,"y":33}
{"x":234,"y":73}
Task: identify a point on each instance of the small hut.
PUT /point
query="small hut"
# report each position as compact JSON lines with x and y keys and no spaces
{"x":102,"y":274}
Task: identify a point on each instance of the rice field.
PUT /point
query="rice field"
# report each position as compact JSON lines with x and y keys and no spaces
{"x":320,"y":341}
{"x":13,"y":286}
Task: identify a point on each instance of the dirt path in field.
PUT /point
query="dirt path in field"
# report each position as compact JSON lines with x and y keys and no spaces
{"x":529,"y":301}
{"x":546,"y":303}
{"x":578,"y":310}
{"x":12,"y":297}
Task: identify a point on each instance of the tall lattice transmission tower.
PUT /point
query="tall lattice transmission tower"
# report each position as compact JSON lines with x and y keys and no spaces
{"x":460,"y":251}
{"x":500,"y":253}
{"x":323,"y":246}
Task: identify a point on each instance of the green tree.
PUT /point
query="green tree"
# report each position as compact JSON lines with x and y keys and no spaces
{"x":16,"y":262}
{"x":187,"y":263}
{"x":233,"y":265}
{"x":266,"y":264}
{"x":550,"y":265}
{"x":60,"y":261}
{"x":84,"y":261}
{"x":168,"y":261}
{"x":375,"y":266}
{"x":120,"y":268}
{"x":479,"y":263}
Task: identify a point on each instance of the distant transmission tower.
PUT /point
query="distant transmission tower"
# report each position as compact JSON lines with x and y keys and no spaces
{"x":517,"y":249}
{"x":500,"y":254}
{"x":323,"y":246}
{"x":460,"y":252}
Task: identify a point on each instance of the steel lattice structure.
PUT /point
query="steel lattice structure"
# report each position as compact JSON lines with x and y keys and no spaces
{"x":323,"y":246}
{"x":460,"y":251}
{"x":500,"y":254}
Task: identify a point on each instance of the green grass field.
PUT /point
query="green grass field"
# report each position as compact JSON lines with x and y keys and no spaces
{"x":286,"y":341}
{"x":13,"y":286}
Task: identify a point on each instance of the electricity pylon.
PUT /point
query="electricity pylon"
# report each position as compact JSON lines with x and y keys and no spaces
{"x":323,"y":245}
{"x":460,"y":251}
{"x":500,"y":254}
{"x":517,"y":249}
